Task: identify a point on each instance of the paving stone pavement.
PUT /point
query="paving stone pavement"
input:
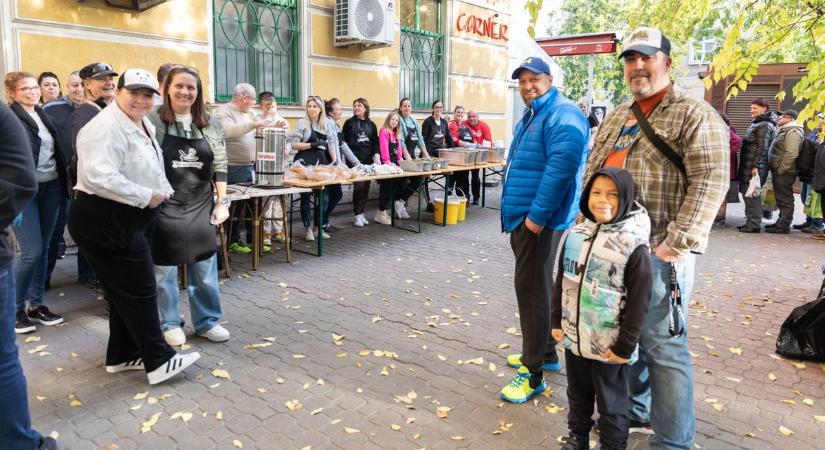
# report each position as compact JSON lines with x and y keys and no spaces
{"x":430,"y":313}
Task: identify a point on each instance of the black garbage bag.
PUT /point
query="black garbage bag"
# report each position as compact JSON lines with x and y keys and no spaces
{"x":802,"y":335}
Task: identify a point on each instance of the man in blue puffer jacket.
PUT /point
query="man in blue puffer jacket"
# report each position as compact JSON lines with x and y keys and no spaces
{"x":542,"y":185}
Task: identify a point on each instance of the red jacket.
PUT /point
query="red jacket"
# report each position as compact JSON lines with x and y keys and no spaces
{"x":481,"y":133}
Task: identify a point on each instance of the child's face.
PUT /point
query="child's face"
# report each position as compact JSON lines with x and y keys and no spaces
{"x":269,"y":107}
{"x":604,"y":199}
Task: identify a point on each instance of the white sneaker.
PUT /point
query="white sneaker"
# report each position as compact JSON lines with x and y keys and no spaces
{"x":324,"y":234}
{"x":382,"y":217}
{"x":175,"y":337}
{"x":310,"y":236}
{"x":400,"y":210}
{"x":172,"y":367}
{"x":135,"y":364}
{"x":357,"y":221}
{"x":216,"y":334}
{"x":363,"y":219}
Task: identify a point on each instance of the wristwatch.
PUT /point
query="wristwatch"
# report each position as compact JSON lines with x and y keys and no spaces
{"x":224,"y":201}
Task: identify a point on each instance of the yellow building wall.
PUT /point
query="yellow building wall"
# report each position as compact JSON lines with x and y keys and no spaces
{"x":324,"y":3}
{"x":479,"y":60}
{"x":76,"y":53}
{"x":380,"y":88}
{"x":322,"y":45}
{"x":184,"y":19}
{"x":482,"y":96}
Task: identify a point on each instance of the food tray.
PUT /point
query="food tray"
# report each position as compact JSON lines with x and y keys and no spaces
{"x":458,"y":156}
{"x":413,"y":165}
{"x":496,"y":154}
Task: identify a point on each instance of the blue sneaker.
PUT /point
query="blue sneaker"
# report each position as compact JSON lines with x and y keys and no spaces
{"x":514,"y":361}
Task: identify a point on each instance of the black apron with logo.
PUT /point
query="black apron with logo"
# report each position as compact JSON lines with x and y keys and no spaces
{"x":411,"y":140}
{"x":362,"y":147}
{"x":464,"y":134}
{"x":311,"y":156}
{"x":393,"y":148}
{"x":438,"y":138}
{"x":183,"y":233}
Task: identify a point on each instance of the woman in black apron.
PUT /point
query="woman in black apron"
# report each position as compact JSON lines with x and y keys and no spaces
{"x":121,"y":185}
{"x":312,"y":142}
{"x":391,"y":151}
{"x":436,"y":135}
{"x":361,"y":135}
{"x":462,"y":137}
{"x":194,"y":156}
{"x":343,"y":156}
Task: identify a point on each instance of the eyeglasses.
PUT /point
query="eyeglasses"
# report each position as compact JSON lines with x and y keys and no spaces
{"x":27,"y":89}
{"x":438,"y":107}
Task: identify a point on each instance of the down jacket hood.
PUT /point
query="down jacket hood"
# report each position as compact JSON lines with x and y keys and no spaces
{"x":767,"y":116}
{"x":627,"y":192}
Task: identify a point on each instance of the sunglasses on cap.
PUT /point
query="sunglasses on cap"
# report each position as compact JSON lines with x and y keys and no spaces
{"x":97,"y":70}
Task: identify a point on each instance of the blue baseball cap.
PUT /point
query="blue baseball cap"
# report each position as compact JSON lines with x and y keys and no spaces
{"x":533,"y":64}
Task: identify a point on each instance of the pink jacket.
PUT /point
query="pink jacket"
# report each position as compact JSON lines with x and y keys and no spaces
{"x":385,"y":137}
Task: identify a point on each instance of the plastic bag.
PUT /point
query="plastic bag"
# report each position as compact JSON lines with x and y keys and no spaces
{"x":754,"y":187}
{"x":321,"y":173}
{"x":802,"y":335}
{"x":296,"y":171}
{"x":813,"y":205}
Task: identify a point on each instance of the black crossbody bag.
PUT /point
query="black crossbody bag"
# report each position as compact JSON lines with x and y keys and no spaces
{"x":656,"y":140}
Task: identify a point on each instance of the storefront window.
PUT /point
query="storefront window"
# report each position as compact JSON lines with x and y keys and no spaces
{"x":256,"y":41}
{"x":422,"y":52}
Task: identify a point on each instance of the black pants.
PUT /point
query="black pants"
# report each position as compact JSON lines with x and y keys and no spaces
{"x":461,"y":183}
{"x":589,"y":380}
{"x":334,"y":194}
{"x":114,"y":238}
{"x":753,"y":206}
{"x":783,"y":190}
{"x":476,"y":184}
{"x":360,"y":192}
{"x":535,"y":257}
{"x":307,"y":211}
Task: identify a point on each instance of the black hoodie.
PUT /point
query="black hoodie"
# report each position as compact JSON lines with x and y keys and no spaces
{"x":627,"y":192}
{"x":18,"y":180}
{"x":638,"y":278}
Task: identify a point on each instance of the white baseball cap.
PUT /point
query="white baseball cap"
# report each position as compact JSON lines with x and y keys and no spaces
{"x":134,"y":79}
{"x":647,"y":41}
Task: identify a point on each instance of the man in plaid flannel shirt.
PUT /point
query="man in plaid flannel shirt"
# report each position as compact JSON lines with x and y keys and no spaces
{"x":682,"y":208}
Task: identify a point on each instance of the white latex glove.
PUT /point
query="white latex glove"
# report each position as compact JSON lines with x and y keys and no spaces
{"x":219,"y":214}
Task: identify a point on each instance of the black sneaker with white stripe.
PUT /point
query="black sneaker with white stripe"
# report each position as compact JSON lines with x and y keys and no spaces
{"x":174,"y":366}
{"x":135,"y":364}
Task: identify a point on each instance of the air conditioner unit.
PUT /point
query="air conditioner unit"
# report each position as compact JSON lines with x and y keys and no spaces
{"x":370,"y":23}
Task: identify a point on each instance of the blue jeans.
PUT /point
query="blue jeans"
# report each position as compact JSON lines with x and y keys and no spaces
{"x":15,"y":422}
{"x":334,"y":195}
{"x":661,"y":381}
{"x":204,"y":296}
{"x":34,"y":235}
{"x":239,"y":174}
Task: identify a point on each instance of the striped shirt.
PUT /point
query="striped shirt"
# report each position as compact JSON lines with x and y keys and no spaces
{"x":681,"y":210}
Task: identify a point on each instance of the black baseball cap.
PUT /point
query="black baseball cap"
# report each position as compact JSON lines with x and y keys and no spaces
{"x":792,"y":113}
{"x":96,"y":71}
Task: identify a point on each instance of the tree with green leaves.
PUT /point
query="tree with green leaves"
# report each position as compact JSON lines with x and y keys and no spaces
{"x":752,"y":32}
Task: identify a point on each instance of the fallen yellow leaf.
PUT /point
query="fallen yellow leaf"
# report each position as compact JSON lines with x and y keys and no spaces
{"x":808,"y":402}
{"x":146,"y":426}
{"x":349,"y":430}
{"x":736,"y":350}
{"x":395,"y":427}
{"x":785,"y":431}
{"x":503,"y":346}
{"x":220,"y":373}
{"x":799,"y":365}
{"x":442,"y":412}
{"x":457,"y":438}
{"x":237,"y":443}
{"x":772,"y":377}
{"x":219,"y":415}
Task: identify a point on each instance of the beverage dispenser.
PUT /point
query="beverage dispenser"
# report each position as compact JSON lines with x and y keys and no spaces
{"x":270,"y":158}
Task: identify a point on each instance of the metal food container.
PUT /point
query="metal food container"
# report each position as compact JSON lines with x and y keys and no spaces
{"x":496,"y":154}
{"x":426,"y":165}
{"x":412,"y":165}
{"x":482,"y":155}
{"x":458,"y":156}
{"x":270,"y":145}
{"x":441,"y":163}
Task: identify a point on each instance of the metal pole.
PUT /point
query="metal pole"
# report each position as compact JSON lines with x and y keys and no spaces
{"x":591,"y":65}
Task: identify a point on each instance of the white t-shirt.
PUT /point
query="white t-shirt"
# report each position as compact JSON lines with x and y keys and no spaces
{"x":46,"y":162}
{"x":186,"y":123}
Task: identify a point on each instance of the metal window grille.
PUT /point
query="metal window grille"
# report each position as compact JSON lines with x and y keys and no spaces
{"x":422,"y":61}
{"x":256,"y":42}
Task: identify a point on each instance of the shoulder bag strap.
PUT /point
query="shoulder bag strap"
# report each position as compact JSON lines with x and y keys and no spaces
{"x":656,"y":140}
